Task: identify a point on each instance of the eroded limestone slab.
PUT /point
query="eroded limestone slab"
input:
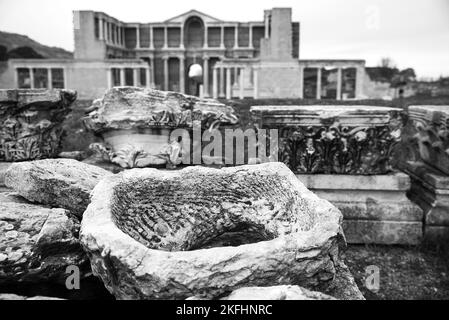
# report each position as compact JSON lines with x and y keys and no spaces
{"x":153,"y":234}
{"x":61,"y":183}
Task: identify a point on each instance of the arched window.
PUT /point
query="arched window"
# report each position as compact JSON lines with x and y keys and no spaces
{"x":194,"y":33}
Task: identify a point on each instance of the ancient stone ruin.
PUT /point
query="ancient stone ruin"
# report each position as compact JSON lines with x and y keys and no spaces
{"x":206,"y":232}
{"x":31,"y":123}
{"x":136,"y":123}
{"x":347,"y":154}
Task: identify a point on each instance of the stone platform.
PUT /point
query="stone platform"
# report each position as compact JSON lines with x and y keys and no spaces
{"x":430,"y":190}
{"x":375,"y":208}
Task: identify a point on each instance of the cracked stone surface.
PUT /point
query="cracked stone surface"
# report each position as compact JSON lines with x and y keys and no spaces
{"x":153,"y":234}
{"x":60,"y":183}
{"x":133,"y":107}
{"x":37,"y":243}
{"x":277,"y":293}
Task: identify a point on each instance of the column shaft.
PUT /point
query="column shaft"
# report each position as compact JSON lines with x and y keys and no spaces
{"x":109,"y":77}
{"x":137,"y":37}
{"x":205,"y":37}
{"x":339,"y":84}
{"x":31,"y":77}
{"x":215,"y":83}
{"x":359,"y":83}
{"x":122,"y":77}
{"x":100,"y":29}
{"x":222,"y":82}
{"x":228,"y":84}
{"x":152,"y":83}
{"x":206,"y":77}
{"x":151,"y":38}
{"x":136,"y":77}
{"x":242,"y":79}
{"x":250,"y":44}
{"x":165,"y":73}
{"x":256,"y":84}
{"x":318,"y":84}
{"x":182,"y":85}
{"x":236,"y":36}
{"x":222,"y":46}
{"x":165,"y":37}
{"x":301,"y":82}
{"x":147,"y":78}
{"x":49,"y":79}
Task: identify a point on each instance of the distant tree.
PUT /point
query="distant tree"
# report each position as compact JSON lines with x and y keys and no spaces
{"x":3,"y":53}
{"x":387,"y":62}
{"x":24,"y":53}
{"x":408,"y":74}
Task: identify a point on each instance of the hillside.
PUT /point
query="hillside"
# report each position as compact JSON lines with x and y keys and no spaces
{"x":13,"y":40}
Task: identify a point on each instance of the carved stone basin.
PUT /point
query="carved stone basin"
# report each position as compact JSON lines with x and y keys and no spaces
{"x":136,"y":123}
{"x":154,"y":234}
{"x":31,"y":122}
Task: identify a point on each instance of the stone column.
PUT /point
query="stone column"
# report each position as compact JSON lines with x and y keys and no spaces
{"x":222,"y":82}
{"x":236,"y":76}
{"x":236,"y":37}
{"x":49,"y":79}
{"x":165,"y":73}
{"x":182,"y":85}
{"x":222,"y":46}
{"x":151,"y":38}
{"x":228,"y":83}
{"x":152,"y":83}
{"x":215,"y":83}
{"x":360,"y":74}
{"x":301,"y":82}
{"x":267,"y":25}
{"x":136,"y":77}
{"x":147,"y":78}
{"x":122,"y":77}
{"x":109,"y":77}
{"x":339,"y":83}
{"x":181,"y":45}
{"x":255,"y":84}
{"x":16,"y":78}
{"x":31,"y":77}
{"x":116,"y":34}
{"x":119,"y":32}
{"x":138,"y":37}
{"x":318,"y":83}
{"x":250,"y":45}
{"x":242,"y":79}
{"x":100,"y":29}
{"x":205,"y":36}
{"x":206,"y":76}
{"x":165,"y":37}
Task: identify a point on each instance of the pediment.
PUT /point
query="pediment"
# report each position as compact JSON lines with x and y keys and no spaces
{"x":183,"y":17}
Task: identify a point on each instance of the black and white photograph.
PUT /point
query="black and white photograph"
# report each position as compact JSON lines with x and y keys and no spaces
{"x":224,"y":155}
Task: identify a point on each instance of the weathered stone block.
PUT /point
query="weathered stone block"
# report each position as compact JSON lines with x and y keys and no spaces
{"x":31,"y":123}
{"x":430,"y":190}
{"x":375,"y":208}
{"x":333,"y":139}
{"x":136,"y":123}
{"x":154,"y":234}
{"x":429,"y":127}
{"x":3,"y":167}
{"x":63,"y":183}
{"x":37,"y":243}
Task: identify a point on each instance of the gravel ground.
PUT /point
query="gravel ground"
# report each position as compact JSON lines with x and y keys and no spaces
{"x":405,"y":273}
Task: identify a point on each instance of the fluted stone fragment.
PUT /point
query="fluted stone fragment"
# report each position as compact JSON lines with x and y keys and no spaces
{"x":153,"y":234}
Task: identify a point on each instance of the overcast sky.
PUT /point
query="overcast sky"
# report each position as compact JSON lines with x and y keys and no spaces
{"x":414,"y":33}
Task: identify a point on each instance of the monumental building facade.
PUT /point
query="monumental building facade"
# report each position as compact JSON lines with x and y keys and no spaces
{"x":192,"y":53}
